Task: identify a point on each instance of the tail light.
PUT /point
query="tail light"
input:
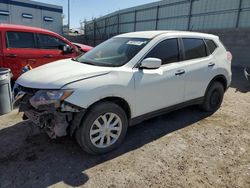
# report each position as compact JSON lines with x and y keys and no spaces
{"x":229,"y":56}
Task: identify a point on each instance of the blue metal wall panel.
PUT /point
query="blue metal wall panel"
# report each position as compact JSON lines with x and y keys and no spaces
{"x":173,"y":24}
{"x":125,"y":28}
{"x":244,"y":19}
{"x":144,"y":26}
{"x":146,"y":14}
{"x":176,"y":14}
{"x":226,"y":20}
{"x":214,"y":21}
{"x":205,"y":6}
{"x":129,"y":17}
{"x":100,"y":23}
{"x":112,"y":20}
{"x":174,"y":10}
{"x":245,"y":4}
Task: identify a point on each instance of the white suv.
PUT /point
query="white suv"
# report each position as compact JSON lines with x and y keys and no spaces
{"x":123,"y":81}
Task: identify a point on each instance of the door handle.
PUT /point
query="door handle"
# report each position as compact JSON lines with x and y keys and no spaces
{"x":211,"y":64}
{"x":48,"y":56}
{"x":180,"y":72}
{"x":11,"y":55}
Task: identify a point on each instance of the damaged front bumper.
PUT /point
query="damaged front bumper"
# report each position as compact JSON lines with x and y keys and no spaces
{"x":55,"y":124}
{"x":53,"y":115}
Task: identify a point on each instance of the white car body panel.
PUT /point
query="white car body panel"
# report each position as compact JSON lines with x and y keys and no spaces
{"x":121,"y":84}
{"x":197,"y":77}
{"x":157,"y":89}
{"x":57,"y":74}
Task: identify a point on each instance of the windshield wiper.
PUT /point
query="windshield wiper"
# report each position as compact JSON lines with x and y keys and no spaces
{"x":88,"y":62}
{"x":74,"y":59}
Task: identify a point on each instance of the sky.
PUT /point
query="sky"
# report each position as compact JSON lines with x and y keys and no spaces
{"x":88,"y":9}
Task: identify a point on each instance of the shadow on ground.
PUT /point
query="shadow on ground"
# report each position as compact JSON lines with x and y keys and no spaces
{"x":28,"y":159}
{"x":239,"y":82}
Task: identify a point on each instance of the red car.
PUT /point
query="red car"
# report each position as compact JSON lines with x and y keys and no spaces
{"x":23,"y":45}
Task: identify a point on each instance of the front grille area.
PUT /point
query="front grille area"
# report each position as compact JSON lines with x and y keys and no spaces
{"x":24,"y":104}
{"x":27,"y":90}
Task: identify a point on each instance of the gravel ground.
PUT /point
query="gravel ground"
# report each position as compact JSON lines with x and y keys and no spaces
{"x":186,"y":148}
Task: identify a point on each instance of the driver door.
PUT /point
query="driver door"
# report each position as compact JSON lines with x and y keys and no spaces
{"x":163,"y":87}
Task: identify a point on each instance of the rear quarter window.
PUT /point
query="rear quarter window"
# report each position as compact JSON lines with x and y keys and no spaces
{"x":20,"y":39}
{"x":211,"y":45}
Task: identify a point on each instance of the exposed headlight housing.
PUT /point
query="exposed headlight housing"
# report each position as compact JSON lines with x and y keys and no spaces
{"x":49,"y":97}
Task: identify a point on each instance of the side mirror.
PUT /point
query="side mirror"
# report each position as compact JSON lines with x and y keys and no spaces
{"x":66,"y":49}
{"x":151,"y":63}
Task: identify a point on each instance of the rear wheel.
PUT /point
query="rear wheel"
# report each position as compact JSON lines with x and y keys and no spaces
{"x":214,"y":97}
{"x":103,"y":128}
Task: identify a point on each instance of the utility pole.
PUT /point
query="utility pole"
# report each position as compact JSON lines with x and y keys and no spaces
{"x":68,"y":15}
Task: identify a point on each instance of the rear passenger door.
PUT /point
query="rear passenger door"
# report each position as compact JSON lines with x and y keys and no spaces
{"x":49,"y":49}
{"x":199,"y":67}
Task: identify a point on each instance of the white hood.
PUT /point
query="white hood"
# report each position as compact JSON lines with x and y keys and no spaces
{"x":57,"y":74}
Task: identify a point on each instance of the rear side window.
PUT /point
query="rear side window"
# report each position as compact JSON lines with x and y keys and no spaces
{"x":167,"y":51}
{"x":20,"y":40}
{"x":211,"y":45}
{"x":49,"y":42}
{"x":194,"y":48}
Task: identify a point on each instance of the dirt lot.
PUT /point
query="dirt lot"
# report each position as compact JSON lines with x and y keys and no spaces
{"x":187,"y":148}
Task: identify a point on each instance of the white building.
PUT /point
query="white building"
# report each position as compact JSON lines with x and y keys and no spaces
{"x":31,"y":13}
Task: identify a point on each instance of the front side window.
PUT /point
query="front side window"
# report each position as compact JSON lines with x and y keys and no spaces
{"x":49,"y":42}
{"x":114,"y":52}
{"x":167,"y":51}
{"x":20,"y":39}
{"x":194,"y":48}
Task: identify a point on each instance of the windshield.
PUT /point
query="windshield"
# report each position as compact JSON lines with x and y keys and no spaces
{"x":114,"y":52}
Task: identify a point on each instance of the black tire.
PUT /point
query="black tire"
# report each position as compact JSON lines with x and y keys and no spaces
{"x":214,"y":97}
{"x":83,"y":132}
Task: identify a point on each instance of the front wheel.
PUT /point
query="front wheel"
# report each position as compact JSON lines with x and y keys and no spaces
{"x":214,"y":97}
{"x":103,"y":128}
